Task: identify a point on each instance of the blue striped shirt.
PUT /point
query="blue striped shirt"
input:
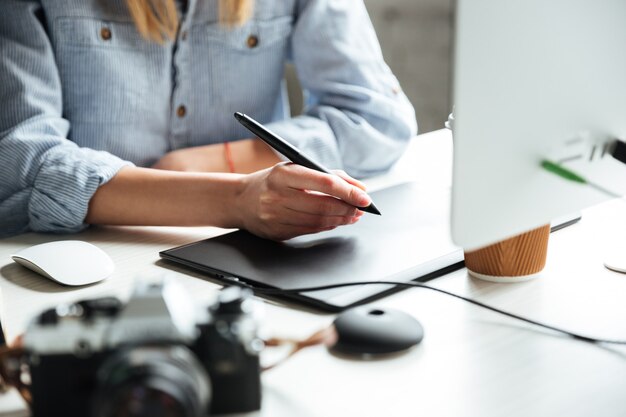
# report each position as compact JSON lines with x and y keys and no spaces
{"x":82,"y":94}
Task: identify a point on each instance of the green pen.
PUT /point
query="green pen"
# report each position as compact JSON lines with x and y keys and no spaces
{"x":570,"y":175}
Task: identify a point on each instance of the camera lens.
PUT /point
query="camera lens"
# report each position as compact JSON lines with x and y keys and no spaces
{"x":140,"y":401}
{"x":152,"y":381}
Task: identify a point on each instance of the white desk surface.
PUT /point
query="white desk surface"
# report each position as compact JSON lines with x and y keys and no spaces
{"x":471,"y":362}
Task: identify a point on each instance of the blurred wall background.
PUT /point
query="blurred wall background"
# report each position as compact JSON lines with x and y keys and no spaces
{"x":416,"y":40}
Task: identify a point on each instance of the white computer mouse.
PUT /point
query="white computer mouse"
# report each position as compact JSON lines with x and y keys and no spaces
{"x":68,"y":262}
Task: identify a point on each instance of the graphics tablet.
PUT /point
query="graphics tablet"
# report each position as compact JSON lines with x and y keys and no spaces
{"x":410,"y":241}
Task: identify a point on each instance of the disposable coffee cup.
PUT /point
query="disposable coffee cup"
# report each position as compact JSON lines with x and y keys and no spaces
{"x":516,"y":259}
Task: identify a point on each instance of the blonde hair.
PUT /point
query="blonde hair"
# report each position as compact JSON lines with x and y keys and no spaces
{"x":157,"y":20}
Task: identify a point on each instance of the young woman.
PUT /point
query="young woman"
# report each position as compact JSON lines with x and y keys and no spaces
{"x":121,"y":112}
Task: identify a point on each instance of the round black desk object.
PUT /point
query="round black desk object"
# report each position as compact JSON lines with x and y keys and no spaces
{"x":366,"y":331}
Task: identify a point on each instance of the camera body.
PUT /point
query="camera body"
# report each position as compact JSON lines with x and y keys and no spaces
{"x":156,"y":355}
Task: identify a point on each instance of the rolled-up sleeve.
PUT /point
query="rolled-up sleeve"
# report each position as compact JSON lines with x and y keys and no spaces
{"x":356,"y":116}
{"x":46,"y":180}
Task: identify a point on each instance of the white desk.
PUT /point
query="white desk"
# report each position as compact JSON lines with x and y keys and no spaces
{"x":471,"y":362}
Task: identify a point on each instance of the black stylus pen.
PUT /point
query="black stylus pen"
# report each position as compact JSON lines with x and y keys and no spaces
{"x":291,"y":152}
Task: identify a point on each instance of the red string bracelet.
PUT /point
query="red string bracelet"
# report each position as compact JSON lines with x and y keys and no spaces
{"x":229,"y":157}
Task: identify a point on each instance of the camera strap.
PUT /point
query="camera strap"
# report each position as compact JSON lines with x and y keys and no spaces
{"x":11,"y":370}
{"x":326,"y":337}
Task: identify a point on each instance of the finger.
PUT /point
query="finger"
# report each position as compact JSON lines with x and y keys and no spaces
{"x":299,"y":177}
{"x":302,"y":208}
{"x":350,"y":180}
{"x":320,"y":204}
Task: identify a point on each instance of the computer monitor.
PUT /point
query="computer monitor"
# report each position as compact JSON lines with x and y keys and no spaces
{"x":534,"y":80}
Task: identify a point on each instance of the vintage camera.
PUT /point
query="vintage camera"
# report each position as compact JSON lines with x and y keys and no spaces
{"x":158,"y":355}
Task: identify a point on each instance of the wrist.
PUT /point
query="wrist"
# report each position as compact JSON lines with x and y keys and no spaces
{"x":226,"y":201}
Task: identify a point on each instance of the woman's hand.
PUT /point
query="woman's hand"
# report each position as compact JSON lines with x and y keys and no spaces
{"x":289,"y":200}
{"x":278,"y":203}
{"x":247,"y":155}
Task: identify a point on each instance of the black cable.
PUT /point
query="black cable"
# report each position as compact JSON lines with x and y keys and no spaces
{"x":276,"y":291}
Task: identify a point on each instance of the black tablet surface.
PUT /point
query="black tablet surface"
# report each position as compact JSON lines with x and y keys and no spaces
{"x":410,"y":241}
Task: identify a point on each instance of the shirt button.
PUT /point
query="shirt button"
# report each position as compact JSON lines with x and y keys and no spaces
{"x":183,"y":35}
{"x":252,"y":41}
{"x":105,"y":33}
{"x":181,"y":111}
